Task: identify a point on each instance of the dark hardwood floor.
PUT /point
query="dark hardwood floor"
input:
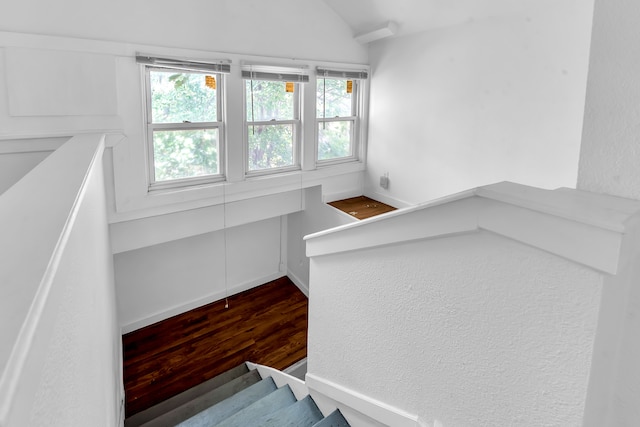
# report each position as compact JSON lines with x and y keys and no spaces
{"x":362,"y":207}
{"x":265,"y":325}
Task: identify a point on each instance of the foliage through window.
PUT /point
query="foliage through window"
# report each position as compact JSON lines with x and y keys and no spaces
{"x":336,"y":117}
{"x":272,"y":120}
{"x":189,"y":143}
{"x":184,"y":124}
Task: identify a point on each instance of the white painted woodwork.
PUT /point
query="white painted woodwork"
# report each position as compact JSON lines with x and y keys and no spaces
{"x":354,"y":405}
{"x":525,"y":295}
{"x":60,"y":362}
{"x":99,"y":89}
{"x":74,"y":84}
{"x":315,"y":216}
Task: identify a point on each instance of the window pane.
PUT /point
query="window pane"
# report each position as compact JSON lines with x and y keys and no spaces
{"x":185,"y":153}
{"x":333,"y":99}
{"x":270,"y":146}
{"x":334,"y":140}
{"x":267,"y":100}
{"x":177,"y":97}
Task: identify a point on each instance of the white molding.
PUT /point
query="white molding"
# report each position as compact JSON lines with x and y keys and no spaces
{"x":583,"y":227}
{"x":176,"y":200}
{"x":182,"y":308}
{"x":131,"y":196}
{"x":598,"y":210}
{"x":372,"y":408}
{"x":33,"y":286}
{"x":152,"y":230}
{"x":55,"y":133}
{"x":589,"y":245}
{"x":31,"y":145}
{"x":410,"y":224}
{"x":304,"y":287}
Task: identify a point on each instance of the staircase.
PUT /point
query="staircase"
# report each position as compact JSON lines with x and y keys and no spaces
{"x":240,"y":397}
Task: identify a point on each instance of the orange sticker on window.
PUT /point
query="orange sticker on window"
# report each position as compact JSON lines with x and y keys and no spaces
{"x":349,"y":86}
{"x":210,"y":81}
{"x":289,"y":87}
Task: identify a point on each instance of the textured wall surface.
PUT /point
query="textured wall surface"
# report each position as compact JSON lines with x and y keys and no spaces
{"x":610,"y":153}
{"x":470,"y":330}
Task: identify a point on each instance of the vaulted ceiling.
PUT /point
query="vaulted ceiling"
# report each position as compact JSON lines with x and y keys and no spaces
{"x":412,"y":16}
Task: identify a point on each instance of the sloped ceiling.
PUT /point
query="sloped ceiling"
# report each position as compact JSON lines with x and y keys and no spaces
{"x":414,"y":16}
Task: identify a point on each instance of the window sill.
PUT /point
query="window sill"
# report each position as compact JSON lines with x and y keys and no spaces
{"x":176,"y":199}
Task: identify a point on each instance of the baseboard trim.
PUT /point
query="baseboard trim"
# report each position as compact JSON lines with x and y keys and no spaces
{"x":182,"y":308}
{"x":396,"y":203}
{"x":372,"y":408}
{"x":304,"y":287}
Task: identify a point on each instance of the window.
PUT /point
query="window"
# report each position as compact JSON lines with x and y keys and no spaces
{"x":338,"y":100}
{"x":272,"y":120}
{"x":184,"y":121}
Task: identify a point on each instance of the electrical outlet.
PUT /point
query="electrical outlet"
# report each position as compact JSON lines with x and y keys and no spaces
{"x":384,"y":181}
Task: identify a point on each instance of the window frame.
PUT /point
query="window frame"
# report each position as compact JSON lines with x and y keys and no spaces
{"x":151,"y":127}
{"x":355,"y":119}
{"x":359,"y":118}
{"x":275,"y":74}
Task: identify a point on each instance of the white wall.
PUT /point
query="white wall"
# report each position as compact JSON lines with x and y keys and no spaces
{"x":81,"y":378}
{"x":159,"y":281}
{"x":286,"y":28}
{"x":609,"y":163}
{"x":316,"y":216}
{"x":61,"y":356}
{"x":490,"y":100}
{"x":93,"y":84}
{"x":15,"y":166}
{"x":610,"y":152}
{"x":472,"y":329}
{"x":18,"y":157}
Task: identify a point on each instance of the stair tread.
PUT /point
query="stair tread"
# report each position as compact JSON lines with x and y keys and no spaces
{"x":209,"y":399}
{"x":188,"y":395}
{"x":303,"y":413}
{"x":269,"y":404}
{"x":334,"y":419}
{"x":232,"y":405}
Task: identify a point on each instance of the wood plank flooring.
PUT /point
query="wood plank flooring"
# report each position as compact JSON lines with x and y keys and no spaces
{"x":265,"y":325}
{"x":362,"y":207}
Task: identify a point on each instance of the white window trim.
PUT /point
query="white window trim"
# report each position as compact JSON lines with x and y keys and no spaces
{"x":150,"y":127}
{"x":357,"y":119}
{"x":297,"y":129}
